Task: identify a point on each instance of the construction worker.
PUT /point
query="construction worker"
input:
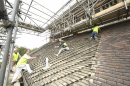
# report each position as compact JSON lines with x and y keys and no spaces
{"x":95,"y":32}
{"x":16,"y":56}
{"x":64,"y":46}
{"x":22,"y":64}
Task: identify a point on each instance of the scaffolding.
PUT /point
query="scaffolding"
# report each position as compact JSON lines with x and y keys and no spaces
{"x":73,"y":16}
{"x":88,"y":13}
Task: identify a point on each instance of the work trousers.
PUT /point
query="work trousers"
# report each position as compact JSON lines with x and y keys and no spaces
{"x":94,"y":34}
{"x":66,"y":48}
{"x":19,"y":68}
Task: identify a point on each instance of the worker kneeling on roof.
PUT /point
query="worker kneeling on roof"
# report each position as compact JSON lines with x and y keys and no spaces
{"x":22,"y":64}
{"x":95,"y":32}
{"x":64,"y":46}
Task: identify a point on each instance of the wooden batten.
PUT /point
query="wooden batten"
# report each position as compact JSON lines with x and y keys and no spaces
{"x":111,"y":8}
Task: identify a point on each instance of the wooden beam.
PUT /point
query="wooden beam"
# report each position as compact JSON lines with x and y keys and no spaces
{"x":111,"y":8}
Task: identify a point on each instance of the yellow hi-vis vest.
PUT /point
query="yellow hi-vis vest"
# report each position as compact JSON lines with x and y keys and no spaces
{"x":64,"y":44}
{"x":95,"y":29}
{"x":15,"y":56}
{"x":22,"y":61}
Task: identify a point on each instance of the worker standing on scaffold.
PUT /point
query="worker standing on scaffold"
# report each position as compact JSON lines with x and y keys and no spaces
{"x":15,"y":59}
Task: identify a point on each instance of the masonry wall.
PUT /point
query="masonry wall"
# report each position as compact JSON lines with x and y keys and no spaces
{"x":112,"y":62}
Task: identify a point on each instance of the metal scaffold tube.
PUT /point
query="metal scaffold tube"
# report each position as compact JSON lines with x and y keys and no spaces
{"x":12,"y":50}
{"x":3,"y":9}
{"x":58,"y":11}
{"x":28,"y":9}
{"x":5,"y":57}
{"x":125,"y":4}
{"x":8,"y":41}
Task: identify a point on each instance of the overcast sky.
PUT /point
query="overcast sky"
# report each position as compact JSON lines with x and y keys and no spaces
{"x":32,"y":41}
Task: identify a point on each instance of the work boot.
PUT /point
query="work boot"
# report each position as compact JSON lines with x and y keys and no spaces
{"x":11,"y":71}
{"x":12,"y":83}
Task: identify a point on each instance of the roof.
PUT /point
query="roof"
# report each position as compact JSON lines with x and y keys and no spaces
{"x":71,"y":67}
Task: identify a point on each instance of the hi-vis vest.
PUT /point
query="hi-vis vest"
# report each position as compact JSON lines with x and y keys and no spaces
{"x":22,"y":61}
{"x":64,"y":44}
{"x":15,"y":56}
{"x":95,"y":29}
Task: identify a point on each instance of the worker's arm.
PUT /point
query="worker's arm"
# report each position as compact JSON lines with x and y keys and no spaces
{"x":13,"y":59}
{"x":19,"y":55}
{"x":61,"y":43}
{"x":56,"y":46}
{"x":28,"y":57}
{"x":37,"y":55}
{"x":99,"y":29}
{"x":32,"y":58}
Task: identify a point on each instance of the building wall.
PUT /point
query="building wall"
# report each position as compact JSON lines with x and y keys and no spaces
{"x":112,"y":62}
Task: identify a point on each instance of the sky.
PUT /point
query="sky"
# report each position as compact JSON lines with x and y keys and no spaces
{"x":32,"y":41}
